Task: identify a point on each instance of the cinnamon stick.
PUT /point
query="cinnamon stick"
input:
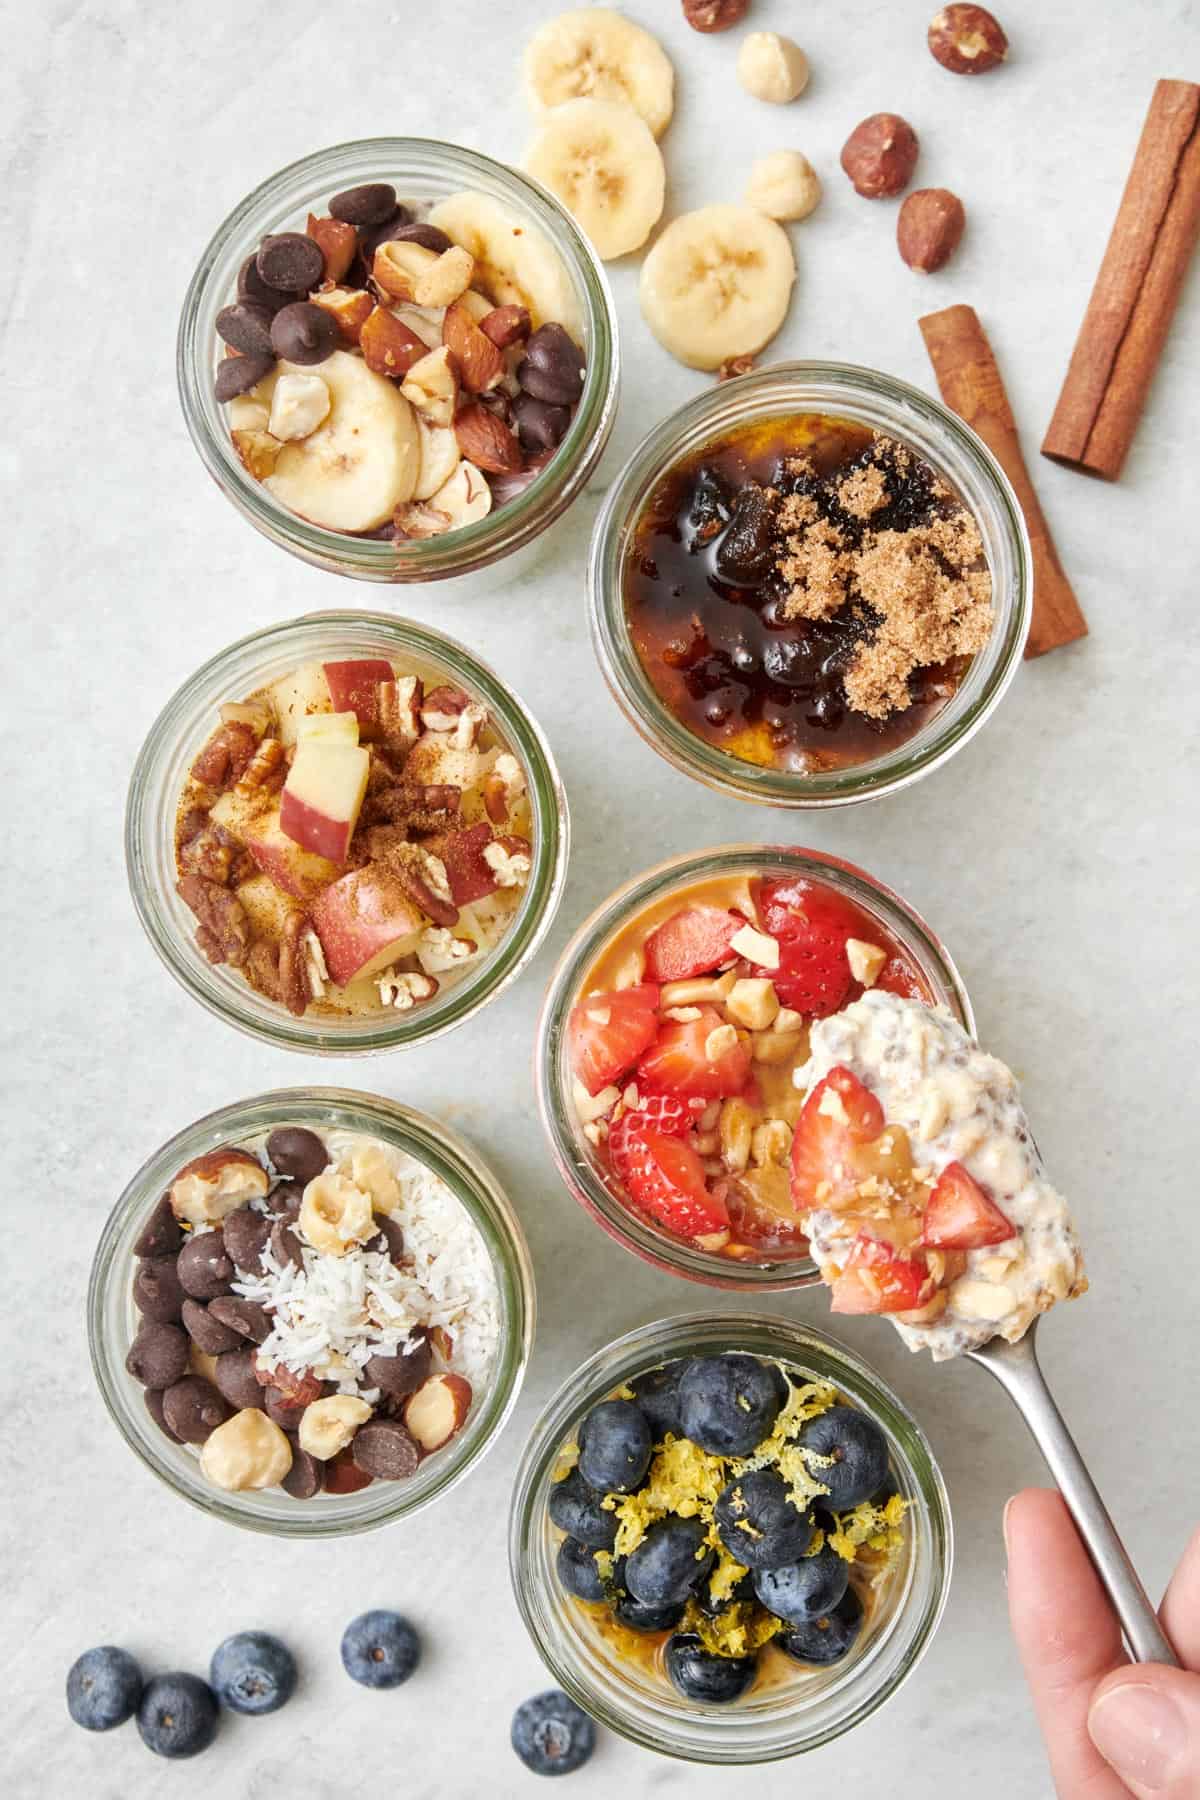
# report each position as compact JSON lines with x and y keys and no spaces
{"x":1129,"y":314}
{"x":971,"y":386}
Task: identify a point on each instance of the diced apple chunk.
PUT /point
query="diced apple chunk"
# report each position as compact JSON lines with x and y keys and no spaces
{"x":322,"y":795}
{"x":328,"y":728}
{"x":365,"y":924}
{"x":293,"y":869}
{"x":297,"y":695}
{"x":354,"y":687}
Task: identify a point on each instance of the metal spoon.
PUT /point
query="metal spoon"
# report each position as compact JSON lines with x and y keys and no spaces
{"x":1016,"y":1368}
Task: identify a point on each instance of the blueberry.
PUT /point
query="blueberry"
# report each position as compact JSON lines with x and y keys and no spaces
{"x":758,"y":1523}
{"x":252,"y":1672}
{"x":614,"y":1447}
{"x":669,"y":1562}
{"x":699,"y":1675}
{"x":859,"y":1451}
{"x":551,"y":1735}
{"x":575,"y":1508}
{"x":575,"y":1565}
{"x":728,"y":1404}
{"x":742,"y":1594}
{"x":804,"y":1590}
{"x":639,"y":1617}
{"x":177,"y":1715}
{"x":103,"y":1688}
{"x":657,"y":1395}
{"x":380,"y":1649}
{"x":827,"y":1639}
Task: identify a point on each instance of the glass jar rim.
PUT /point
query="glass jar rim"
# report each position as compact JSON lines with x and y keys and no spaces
{"x":150,"y":809}
{"x":721,"y":1736}
{"x":885,"y":403}
{"x":613,"y":1215}
{"x":471,"y":546}
{"x":438,"y":1148}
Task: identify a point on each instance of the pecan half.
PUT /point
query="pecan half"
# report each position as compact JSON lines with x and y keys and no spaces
{"x":225,"y":756}
{"x":262,"y":968}
{"x":293,"y":964}
{"x":212,"y":853}
{"x":265,"y":768}
{"x":224,"y":934}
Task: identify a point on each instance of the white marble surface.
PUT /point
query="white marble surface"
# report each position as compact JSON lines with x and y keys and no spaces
{"x":1054,"y":855}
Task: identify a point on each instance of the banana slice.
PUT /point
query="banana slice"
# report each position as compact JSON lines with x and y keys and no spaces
{"x":595,"y":54}
{"x":352,"y":472}
{"x":602,"y":162}
{"x":515,"y":265}
{"x":439,"y":458}
{"x":717,"y":284}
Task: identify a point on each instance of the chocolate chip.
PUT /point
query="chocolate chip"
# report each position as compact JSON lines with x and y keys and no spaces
{"x":297,"y":1152}
{"x":342,"y":1474}
{"x":306,"y":1476}
{"x":207,"y":1333}
{"x":540,"y":426}
{"x":238,"y":374}
{"x":286,"y":1413}
{"x":158,"y":1355}
{"x":156,"y":1290}
{"x":283,"y":1202}
{"x":384,"y":233}
{"x":161,"y":1234}
{"x":303,"y":333}
{"x":235,"y":1377}
{"x":154,"y":1406}
{"x":285,"y":1245}
{"x":290,"y":262}
{"x":245,"y":1232}
{"x":204,"y":1267}
{"x":552,"y":367}
{"x":247,"y":326}
{"x":383,"y":1448}
{"x":369,"y":204}
{"x":251,"y":286}
{"x":193,"y":1409}
{"x":242,"y":1315}
{"x":389,"y":1238}
{"x":428,"y":236}
{"x":402,"y":1374}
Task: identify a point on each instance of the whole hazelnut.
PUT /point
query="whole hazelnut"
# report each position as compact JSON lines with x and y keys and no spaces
{"x":967,"y":40}
{"x":929,"y":228}
{"x":880,"y":155}
{"x":714,"y":15}
{"x":772,"y":67}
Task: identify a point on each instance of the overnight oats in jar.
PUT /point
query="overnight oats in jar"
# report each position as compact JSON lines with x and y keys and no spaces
{"x":810,"y":585}
{"x":672,"y":1034}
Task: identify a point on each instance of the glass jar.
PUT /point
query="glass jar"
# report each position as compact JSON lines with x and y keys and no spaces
{"x":578,"y":1162}
{"x":113,"y":1318}
{"x":421,"y":170}
{"x":183,"y":726}
{"x":774,"y":1721}
{"x":884,"y":405}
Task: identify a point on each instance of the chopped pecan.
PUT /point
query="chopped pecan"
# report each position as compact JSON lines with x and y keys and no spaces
{"x":212,"y":853}
{"x":265,"y":768}
{"x":421,"y":875}
{"x":262,"y":968}
{"x":224,"y":934}
{"x":225,"y":756}
{"x":417,"y":806}
{"x":400,"y":704}
{"x":442,"y":707}
{"x":294,"y":988}
{"x":192,"y":822}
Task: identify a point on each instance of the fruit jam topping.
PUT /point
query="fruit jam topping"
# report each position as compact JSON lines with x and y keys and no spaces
{"x":726,"y":1518}
{"x":683,"y":1049}
{"x":352,"y":839}
{"x":806,"y":594}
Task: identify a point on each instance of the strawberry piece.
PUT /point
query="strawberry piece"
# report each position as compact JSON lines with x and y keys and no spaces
{"x":898,"y":977}
{"x":690,"y":943}
{"x":838,"y":1115}
{"x":679,"y":1064}
{"x":878,"y":1279}
{"x":790,"y":906}
{"x":665,"y":1177}
{"x":606,"y":1033}
{"x":961,"y":1215}
{"x":469,"y":875}
{"x":663,"y":1112}
{"x":813,"y":976}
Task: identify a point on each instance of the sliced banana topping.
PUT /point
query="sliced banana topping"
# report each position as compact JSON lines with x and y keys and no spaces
{"x":602,"y":162}
{"x":717,"y":284}
{"x":595,"y":54}
{"x":362,"y":462}
{"x":515,"y":264}
{"x":439,"y":458}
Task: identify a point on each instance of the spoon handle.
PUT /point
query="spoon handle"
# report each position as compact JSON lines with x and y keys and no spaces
{"x":1016,"y":1368}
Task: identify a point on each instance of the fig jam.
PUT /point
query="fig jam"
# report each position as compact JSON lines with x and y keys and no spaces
{"x":708,"y":607}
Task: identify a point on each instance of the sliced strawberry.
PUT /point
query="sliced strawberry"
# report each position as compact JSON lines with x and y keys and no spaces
{"x":878,"y":1279}
{"x":606,"y":1033}
{"x":663,"y":1112}
{"x":665,"y":1177}
{"x":838,"y":1116}
{"x":788,"y":907}
{"x":679,"y":1064}
{"x":690,"y":943}
{"x":813,"y":976}
{"x":899,"y":977}
{"x":961,"y":1216}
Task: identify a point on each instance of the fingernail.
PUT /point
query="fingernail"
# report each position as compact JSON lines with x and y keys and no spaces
{"x":1008,"y":1506}
{"x":1141,"y":1732}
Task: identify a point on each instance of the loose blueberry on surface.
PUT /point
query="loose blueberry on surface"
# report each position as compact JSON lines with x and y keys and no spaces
{"x":699,"y":1675}
{"x":638,"y":1617}
{"x":657,"y":1396}
{"x":614,"y":1447}
{"x":252,"y":1672}
{"x":728,"y":1404}
{"x":828,"y":1638}
{"x":103,"y":1688}
{"x":859,"y":1451}
{"x":758,"y":1523}
{"x":177,"y":1715}
{"x":575,"y":1508}
{"x":669,"y":1562}
{"x":804,"y":1590}
{"x":575,"y":1565}
{"x":551,"y":1735}
{"x":380,"y":1649}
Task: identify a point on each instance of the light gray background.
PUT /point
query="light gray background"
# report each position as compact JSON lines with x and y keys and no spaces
{"x":1054,"y":855}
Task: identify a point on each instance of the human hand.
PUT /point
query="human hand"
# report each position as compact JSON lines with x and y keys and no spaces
{"x":1112,"y":1728}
